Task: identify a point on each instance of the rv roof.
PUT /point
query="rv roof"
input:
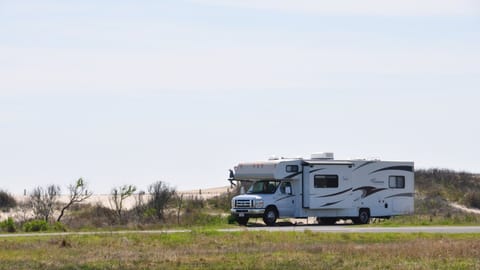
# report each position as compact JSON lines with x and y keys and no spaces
{"x":329,"y":162}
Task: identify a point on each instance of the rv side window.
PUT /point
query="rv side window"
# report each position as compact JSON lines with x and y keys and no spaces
{"x":292,"y":168}
{"x":325,"y":181}
{"x":396,"y":181}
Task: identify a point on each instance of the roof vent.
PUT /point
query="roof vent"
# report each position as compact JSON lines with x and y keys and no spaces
{"x":325,"y":155}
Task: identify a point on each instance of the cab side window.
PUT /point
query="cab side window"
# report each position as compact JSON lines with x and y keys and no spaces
{"x":286,"y":188}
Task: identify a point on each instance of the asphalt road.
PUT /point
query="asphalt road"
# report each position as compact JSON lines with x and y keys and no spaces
{"x":312,"y":228}
{"x":362,"y":229}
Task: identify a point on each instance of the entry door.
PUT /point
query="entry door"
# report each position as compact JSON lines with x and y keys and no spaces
{"x":305,"y":187}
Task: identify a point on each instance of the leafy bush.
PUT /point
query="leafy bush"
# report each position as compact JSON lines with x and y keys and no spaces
{"x":36,"y":225}
{"x":8,"y":225}
{"x":231,"y":219}
{"x":7,"y":200}
{"x":58,"y":226}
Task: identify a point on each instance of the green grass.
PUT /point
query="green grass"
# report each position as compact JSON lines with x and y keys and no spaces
{"x":427,"y":220}
{"x":207,"y":249}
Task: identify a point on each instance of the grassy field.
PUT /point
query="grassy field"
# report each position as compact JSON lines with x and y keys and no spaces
{"x":243,"y":250}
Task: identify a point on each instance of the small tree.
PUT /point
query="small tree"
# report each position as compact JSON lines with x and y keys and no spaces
{"x":78,"y":193}
{"x":160,"y":194}
{"x":43,"y":201}
{"x":118,"y":195}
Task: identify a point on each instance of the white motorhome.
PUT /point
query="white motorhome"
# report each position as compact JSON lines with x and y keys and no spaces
{"x":324,"y":188}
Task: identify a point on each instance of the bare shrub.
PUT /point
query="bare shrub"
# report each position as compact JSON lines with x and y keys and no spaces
{"x":140,"y":207}
{"x":43,"y":201}
{"x":118,"y":196}
{"x":160,"y":195}
{"x":78,"y":193}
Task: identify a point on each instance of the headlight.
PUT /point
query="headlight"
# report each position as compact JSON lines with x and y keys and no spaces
{"x":259,"y":204}
{"x":233,"y":203}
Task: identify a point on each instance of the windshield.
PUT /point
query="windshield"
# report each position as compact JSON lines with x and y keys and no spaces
{"x":263,"y":187}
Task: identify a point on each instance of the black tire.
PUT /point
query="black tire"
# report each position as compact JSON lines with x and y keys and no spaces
{"x":270,"y":216}
{"x":363,"y":217}
{"x":327,"y":221}
{"x":242,"y":220}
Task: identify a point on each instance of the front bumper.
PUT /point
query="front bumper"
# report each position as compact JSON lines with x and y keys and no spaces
{"x":247,"y":212}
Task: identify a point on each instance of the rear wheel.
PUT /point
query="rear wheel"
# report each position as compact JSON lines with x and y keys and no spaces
{"x":363,"y":217}
{"x":242,"y":220}
{"x":270,"y":216}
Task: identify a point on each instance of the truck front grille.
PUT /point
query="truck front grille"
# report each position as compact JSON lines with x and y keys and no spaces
{"x":243,"y":203}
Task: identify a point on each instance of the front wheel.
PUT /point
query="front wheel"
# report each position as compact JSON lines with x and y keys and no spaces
{"x":270,"y":216}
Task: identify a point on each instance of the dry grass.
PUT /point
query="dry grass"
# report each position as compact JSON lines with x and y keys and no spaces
{"x":243,"y":250}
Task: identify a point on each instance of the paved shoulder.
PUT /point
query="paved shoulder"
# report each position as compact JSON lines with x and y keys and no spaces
{"x":319,"y":229}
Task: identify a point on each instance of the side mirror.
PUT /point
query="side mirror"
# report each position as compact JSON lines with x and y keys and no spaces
{"x":288,"y":190}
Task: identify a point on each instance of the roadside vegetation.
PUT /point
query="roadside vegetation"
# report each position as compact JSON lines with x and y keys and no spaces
{"x":161,"y":207}
{"x":448,"y":185}
{"x":243,"y":250}
{"x":436,"y":189}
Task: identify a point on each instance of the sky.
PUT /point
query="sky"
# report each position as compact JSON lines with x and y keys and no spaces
{"x":180,"y":91}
